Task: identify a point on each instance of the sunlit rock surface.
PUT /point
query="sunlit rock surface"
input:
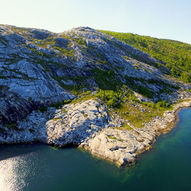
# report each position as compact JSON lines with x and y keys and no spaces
{"x":39,"y":68}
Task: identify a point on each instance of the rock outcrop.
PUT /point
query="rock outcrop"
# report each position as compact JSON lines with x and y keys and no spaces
{"x":123,"y":146}
{"x":71,"y":125}
{"x":88,"y":126}
{"x":40,"y":69}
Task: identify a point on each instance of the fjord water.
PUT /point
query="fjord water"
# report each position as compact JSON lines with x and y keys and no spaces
{"x":39,"y":167}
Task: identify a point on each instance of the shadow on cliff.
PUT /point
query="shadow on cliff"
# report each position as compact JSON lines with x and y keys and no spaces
{"x":59,"y":133}
{"x":75,"y":135}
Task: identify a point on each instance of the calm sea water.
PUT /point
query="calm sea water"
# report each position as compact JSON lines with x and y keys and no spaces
{"x":167,"y":167}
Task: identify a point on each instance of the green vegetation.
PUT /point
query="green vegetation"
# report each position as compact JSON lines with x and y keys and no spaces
{"x":84,"y":96}
{"x":122,"y":102}
{"x":188,"y":90}
{"x":162,"y":104}
{"x":23,"y":75}
{"x":31,"y":130}
{"x":110,"y":97}
{"x":117,"y":95}
{"x":66,"y":52}
{"x":139,"y":113}
{"x":63,"y":35}
{"x":3,"y":77}
{"x":176,"y":55}
{"x":106,"y":79}
{"x":126,"y":57}
{"x":114,"y":138}
{"x":57,"y":105}
{"x":80,"y":41}
{"x":124,"y":127}
{"x":13,"y":126}
{"x":114,"y":98}
{"x":50,"y":41}
{"x":79,"y":84}
{"x":44,"y":43}
{"x":1,"y":88}
{"x":125,"y":104}
{"x":145,"y":90}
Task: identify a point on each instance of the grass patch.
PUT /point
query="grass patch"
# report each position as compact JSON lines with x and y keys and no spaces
{"x":84,"y":97}
{"x":67,"y":52}
{"x":140,"y":113}
{"x":114,"y":138}
{"x":124,"y":127}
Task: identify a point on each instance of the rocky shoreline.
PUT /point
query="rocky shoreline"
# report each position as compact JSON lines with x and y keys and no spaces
{"x":87,"y":125}
{"x":123,"y":151}
{"x":66,"y":88}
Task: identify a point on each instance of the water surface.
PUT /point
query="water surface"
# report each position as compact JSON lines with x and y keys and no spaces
{"x":37,"y":167}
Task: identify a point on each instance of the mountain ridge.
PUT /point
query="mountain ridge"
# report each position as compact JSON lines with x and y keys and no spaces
{"x":175,"y":54}
{"x":73,"y":87}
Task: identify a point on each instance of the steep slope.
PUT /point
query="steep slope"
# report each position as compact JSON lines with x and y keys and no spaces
{"x":39,"y":66}
{"x":73,"y":87}
{"x":175,"y":54}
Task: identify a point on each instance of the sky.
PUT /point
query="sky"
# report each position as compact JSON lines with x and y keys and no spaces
{"x":169,"y":19}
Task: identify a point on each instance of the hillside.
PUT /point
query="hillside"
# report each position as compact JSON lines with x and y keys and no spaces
{"x":86,"y":88}
{"x":174,"y":54}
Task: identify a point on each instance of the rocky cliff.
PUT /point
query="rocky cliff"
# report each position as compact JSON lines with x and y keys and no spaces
{"x":84,"y":88}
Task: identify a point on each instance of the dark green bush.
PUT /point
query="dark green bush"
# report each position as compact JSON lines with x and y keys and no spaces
{"x":162,"y":104}
{"x":185,"y":77}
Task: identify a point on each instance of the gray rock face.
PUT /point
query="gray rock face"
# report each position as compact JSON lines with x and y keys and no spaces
{"x":76,"y":123}
{"x":73,"y":124}
{"x":39,"y":68}
{"x":123,"y":146}
{"x":34,"y":62}
{"x":88,"y":125}
{"x":39,"y":86}
{"x":13,"y":107}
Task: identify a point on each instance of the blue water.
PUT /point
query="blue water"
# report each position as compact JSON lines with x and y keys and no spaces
{"x":36,"y":167}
